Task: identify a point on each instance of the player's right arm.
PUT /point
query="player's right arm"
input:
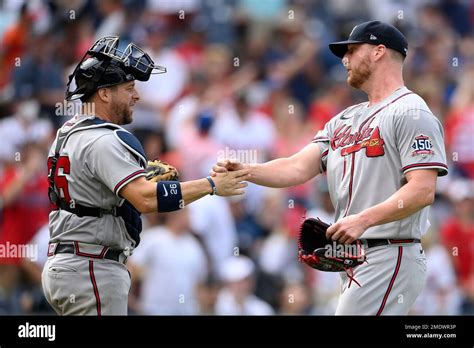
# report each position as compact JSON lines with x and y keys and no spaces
{"x":142,"y":194}
{"x":113,"y":165}
{"x":280,"y":172}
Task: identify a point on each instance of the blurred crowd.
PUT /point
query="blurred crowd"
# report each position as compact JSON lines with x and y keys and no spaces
{"x":252,"y":80}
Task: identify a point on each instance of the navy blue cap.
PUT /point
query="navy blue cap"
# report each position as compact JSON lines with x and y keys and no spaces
{"x":374,"y":33}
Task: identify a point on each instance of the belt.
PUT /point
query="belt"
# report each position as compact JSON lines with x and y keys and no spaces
{"x":73,"y":248}
{"x":372,"y":243}
{"x":82,"y":210}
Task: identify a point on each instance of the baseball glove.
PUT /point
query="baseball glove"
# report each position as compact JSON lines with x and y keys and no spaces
{"x":160,"y":171}
{"x":318,"y":252}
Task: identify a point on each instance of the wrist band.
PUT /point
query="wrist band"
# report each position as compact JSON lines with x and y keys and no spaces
{"x":213,"y":186}
{"x":168,"y":195}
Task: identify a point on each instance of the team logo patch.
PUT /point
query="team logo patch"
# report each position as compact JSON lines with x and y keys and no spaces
{"x":366,"y":137}
{"x":422,"y":146}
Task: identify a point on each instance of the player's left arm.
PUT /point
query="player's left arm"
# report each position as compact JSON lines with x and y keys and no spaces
{"x":417,"y":193}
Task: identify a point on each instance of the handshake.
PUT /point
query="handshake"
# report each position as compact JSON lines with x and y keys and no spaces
{"x":229,"y":177}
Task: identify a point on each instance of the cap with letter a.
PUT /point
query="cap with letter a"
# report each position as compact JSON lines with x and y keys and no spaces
{"x":374,"y":33}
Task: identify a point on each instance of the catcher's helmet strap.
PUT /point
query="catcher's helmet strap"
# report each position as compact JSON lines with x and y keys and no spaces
{"x":132,"y":144}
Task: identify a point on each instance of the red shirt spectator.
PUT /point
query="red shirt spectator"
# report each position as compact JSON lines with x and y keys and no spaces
{"x":459,"y":126}
{"x":457,"y":234}
{"x":192,"y":51}
{"x":459,"y":239}
{"x":24,"y":216}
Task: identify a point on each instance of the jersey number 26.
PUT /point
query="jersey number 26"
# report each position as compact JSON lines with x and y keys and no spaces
{"x":63,"y":167}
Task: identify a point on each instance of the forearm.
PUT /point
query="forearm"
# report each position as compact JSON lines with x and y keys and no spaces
{"x":150,"y":197}
{"x":280,"y":172}
{"x":190,"y":192}
{"x":277,"y":173}
{"x":406,"y":201}
{"x":194,"y":190}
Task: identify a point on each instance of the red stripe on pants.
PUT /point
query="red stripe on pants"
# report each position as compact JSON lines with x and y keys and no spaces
{"x":397,"y":267}
{"x":94,"y":285}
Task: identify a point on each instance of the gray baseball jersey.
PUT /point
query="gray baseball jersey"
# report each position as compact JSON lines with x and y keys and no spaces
{"x":96,"y":165}
{"x":366,"y":151}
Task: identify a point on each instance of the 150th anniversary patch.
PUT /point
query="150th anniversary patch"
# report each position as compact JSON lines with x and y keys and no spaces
{"x":422,"y":145}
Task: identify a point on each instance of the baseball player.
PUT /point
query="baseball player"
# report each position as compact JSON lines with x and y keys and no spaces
{"x":382,"y":158}
{"x":98,"y":187}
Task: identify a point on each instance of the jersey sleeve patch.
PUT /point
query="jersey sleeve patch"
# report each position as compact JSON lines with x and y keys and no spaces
{"x":422,"y":146}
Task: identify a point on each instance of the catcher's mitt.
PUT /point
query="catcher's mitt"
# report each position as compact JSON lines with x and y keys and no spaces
{"x":318,"y":252}
{"x":160,"y":171}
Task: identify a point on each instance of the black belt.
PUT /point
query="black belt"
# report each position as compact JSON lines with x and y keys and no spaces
{"x":82,"y":210}
{"x":372,"y":243}
{"x":68,"y":248}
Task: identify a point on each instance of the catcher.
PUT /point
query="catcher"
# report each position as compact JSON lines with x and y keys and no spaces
{"x":100,"y":182}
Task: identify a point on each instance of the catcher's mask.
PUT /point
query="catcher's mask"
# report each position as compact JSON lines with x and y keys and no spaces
{"x":105,"y":65}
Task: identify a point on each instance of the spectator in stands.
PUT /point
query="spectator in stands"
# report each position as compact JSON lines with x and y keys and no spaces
{"x":14,"y":44}
{"x":21,"y":128}
{"x":170,"y":263}
{"x":207,"y":295}
{"x":295,"y":299}
{"x":457,"y":235}
{"x":459,"y":125}
{"x":236,"y":296}
{"x":41,"y":77}
{"x":24,"y":209}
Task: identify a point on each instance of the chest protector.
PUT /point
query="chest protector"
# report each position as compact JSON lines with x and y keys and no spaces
{"x":126,"y":211}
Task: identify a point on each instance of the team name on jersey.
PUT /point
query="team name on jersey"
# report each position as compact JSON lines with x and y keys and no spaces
{"x":366,"y":137}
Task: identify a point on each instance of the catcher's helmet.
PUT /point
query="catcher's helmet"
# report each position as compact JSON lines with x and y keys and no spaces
{"x":105,"y":65}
